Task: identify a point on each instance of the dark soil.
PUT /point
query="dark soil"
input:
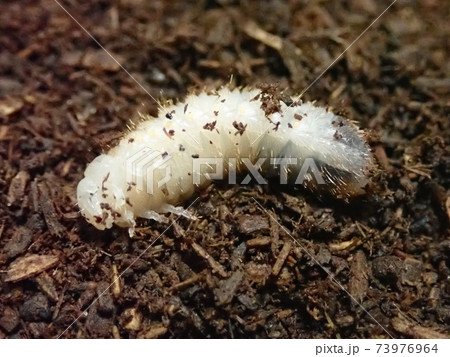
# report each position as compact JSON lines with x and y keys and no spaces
{"x":234,"y":272}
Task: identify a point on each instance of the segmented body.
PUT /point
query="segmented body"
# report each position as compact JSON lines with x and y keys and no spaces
{"x":230,"y":125}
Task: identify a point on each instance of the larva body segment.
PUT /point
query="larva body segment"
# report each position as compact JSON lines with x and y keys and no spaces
{"x":230,"y":126}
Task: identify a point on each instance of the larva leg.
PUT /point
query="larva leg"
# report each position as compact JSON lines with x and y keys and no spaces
{"x":178,"y":210}
{"x":167,"y":208}
{"x":155,"y":216}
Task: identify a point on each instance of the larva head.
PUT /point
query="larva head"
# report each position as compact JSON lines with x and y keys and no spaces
{"x":101,"y":197}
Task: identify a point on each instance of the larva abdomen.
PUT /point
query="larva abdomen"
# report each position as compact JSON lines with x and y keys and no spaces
{"x":163,"y":160}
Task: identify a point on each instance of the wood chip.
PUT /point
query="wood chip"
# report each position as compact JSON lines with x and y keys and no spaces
{"x":257,"y":33}
{"x":250,"y":224}
{"x":154,"y":331}
{"x":282,"y":257}
{"x":10,"y":105}
{"x":26,"y":267}
{"x":115,"y":332}
{"x":48,"y":210}
{"x":47,"y":286}
{"x":440,"y":85}
{"x":218,"y":268}
{"x":17,"y":188}
{"x":291,"y":54}
{"x":359,"y":272}
{"x":4,"y":132}
{"x":100,"y":60}
{"x":187,"y":283}
{"x":116,"y":285}
{"x":258,"y":242}
{"x":346,"y":245}
{"x":284,"y":314}
{"x":402,"y":325}
{"x":133,"y":319}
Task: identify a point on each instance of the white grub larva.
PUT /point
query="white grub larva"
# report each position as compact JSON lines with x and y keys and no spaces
{"x":240,"y":127}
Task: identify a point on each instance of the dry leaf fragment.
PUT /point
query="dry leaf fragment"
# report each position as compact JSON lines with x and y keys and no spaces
{"x":26,"y":267}
{"x":10,"y":105}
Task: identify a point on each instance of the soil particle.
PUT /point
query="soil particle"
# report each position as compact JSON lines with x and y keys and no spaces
{"x":23,"y":236}
{"x":412,"y":272}
{"x":323,"y":256}
{"x":388,"y":270}
{"x":106,"y":305}
{"x":251,"y":224}
{"x":226,"y":289}
{"x":9,"y":319}
{"x":270,"y":99}
{"x":37,"y":330}
{"x":36,"y":309}
{"x":345,"y":321}
{"x":100,"y":60}
{"x":19,"y":242}
{"x":258,"y":273}
{"x":98,"y":326}
{"x":87,"y":294}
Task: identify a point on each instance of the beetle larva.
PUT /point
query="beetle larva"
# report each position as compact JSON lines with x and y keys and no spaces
{"x":235,"y":129}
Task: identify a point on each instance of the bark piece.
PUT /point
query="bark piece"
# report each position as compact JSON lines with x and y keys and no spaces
{"x":251,"y":224}
{"x":26,"y":267}
{"x":359,"y":273}
{"x":282,"y":257}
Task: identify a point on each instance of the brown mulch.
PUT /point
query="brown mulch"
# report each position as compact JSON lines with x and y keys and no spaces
{"x":234,"y":272}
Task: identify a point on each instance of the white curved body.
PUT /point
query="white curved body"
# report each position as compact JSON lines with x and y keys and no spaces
{"x":228,"y":125}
